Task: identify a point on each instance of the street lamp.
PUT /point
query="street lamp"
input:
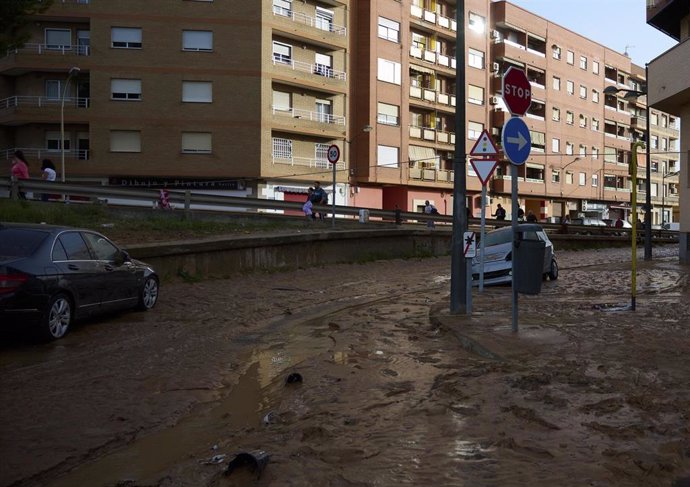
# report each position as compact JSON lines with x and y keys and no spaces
{"x":663,"y":195}
{"x":611,"y":90}
{"x":73,"y":71}
{"x":562,"y":177}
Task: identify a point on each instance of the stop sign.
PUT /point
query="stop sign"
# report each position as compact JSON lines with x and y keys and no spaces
{"x":516,"y":91}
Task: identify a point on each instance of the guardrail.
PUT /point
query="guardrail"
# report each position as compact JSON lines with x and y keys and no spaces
{"x":189,"y":201}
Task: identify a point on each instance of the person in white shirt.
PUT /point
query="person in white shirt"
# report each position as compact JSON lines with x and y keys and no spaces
{"x":48,"y":173}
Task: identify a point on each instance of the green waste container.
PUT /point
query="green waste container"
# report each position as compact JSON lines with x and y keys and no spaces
{"x":529,"y":266}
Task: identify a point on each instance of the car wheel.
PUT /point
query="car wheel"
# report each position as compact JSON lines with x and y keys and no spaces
{"x":148,"y":295}
{"x":58,"y":318}
{"x":553,"y":272}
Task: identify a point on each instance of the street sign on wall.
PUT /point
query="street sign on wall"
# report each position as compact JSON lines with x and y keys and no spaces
{"x":517,"y":92}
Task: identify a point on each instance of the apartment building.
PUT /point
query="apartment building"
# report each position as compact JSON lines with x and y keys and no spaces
{"x":245,"y":98}
{"x":230,"y":97}
{"x":669,"y":90}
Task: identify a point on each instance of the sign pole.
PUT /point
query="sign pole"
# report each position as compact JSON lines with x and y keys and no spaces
{"x":514,"y":217}
{"x":482,"y":232}
{"x":333,"y":154}
{"x":469,"y":251}
{"x":334,"y":191}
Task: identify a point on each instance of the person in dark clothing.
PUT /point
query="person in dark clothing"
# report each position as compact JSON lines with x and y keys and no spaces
{"x":531,"y":218}
{"x":319,"y":197}
{"x":500,"y":213}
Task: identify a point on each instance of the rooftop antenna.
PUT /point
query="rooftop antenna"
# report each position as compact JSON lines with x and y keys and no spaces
{"x":626,"y":50}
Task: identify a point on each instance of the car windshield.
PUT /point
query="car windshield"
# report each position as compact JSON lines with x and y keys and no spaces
{"x":20,"y":242}
{"x":502,"y":236}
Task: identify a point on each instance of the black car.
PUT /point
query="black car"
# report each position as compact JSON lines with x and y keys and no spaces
{"x":51,"y":275}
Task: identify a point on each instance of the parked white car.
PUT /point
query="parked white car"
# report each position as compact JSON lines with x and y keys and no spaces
{"x":498,"y":254}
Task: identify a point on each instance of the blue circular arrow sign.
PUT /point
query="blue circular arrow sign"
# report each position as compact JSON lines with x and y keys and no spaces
{"x":516,"y":141}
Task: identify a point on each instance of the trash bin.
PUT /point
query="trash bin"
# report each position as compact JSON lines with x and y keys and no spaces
{"x":363,"y":216}
{"x":529,"y":266}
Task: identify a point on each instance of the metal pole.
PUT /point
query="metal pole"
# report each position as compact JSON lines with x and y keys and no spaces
{"x":334,"y":190}
{"x":648,"y":183}
{"x":633,"y":202}
{"x":482,"y":232}
{"x":62,"y":132}
{"x":514,"y":217}
{"x":458,"y":265}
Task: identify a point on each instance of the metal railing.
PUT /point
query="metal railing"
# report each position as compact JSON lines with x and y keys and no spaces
{"x":307,"y":162}
{"x":43,"y":101}
{"x":309,"y":116}
{"x":50,"y":49}
{"x":317,"y":69}
{"x":36,"y":153}
{"x":318,"y":23}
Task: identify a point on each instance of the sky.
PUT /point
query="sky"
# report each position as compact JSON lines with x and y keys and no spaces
{"x":594,"y":19}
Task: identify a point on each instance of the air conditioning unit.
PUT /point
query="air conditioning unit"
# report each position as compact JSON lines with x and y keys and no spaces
{"x":495,"y":34}
{"x":495,"y":131}
{"x":495,"y":67}
{"x":493,"y":100}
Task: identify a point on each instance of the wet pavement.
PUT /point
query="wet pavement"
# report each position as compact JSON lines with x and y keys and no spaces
{"x":395,"y":390}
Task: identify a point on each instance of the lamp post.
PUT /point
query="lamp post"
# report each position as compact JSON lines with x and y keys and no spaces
{"x":365,"y":130}
{"x":611,"y":90}
{"x":73,"y":71}
{"x":563,"y":177}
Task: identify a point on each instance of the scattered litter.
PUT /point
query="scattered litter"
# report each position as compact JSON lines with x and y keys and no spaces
{"x":256,"y":461}
{"x":215,"y":459}
{"x":107,"y":225}
{"x":379,"y":352}
{"x":612,"y":307}
{"x":293,"y":378}
{"x":269,"y":418}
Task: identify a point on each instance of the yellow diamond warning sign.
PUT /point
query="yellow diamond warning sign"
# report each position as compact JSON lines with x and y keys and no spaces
{"x":484,"y":146}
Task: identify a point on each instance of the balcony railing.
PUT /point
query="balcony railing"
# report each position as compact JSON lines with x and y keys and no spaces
{"x":50,"y":49}
{"x":309,"y":116}
{"x":317,"y":69}
{"x":37,"y":153}
{"x":433,"y":18}
{"x":42,"y":101}
{"x":431,"y":174}
{"x":432,"y":96}
{"x":433,"y":57}
{"x":318,"y":23}
{"x":432,"y":135}
{"x":307,"y":162}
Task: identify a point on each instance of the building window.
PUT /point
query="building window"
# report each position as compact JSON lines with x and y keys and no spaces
{"x":53,"y":141}
{"x":583,"y":92}
{"x":555,"y":176}
{"x":197,"y":91}
{"x":53,"y":89}
{"x":125,"y":89}
{"x":389,"y":71}
{"x":58,"y":39}
{"x":476,"y":58}
{"x":655,"y":142}
{"x":475,"y":95}
{"x":595,"y":67}
{"x":569,"y":147}
{"x":196,"y":142}
{"x":282,"y":148}
{"x":323,"y":65}
{"x":664,"y":121}
{"x":282,"y":53}
{"x":282,"y":101}
{"x":583,"y":121}
{"x":556,"y":51}
{"x":595,"y":125}
{"x":595,"y":153}
{"x":387,"y":156}
{"x":474,"y":130}
{"x":568,"y":177}
{"x":556,"y":114}
{"x":583,"y":150}
{"x":476,"y":22}
{"x":389,"y":29}
{"x":595,"y":180}
{"x":324,"y":19}
{"x":570,"y":87}
{"x":654,"y":119}
{"x":569,"y":117}
{"x":197,"y":40}
{"x":595,"y":96}
{"x":282,"y":7}
{"x":555,"y":145}
{"x":125,"y":37}
{"x":583,"y":178}
{"x":324,"y":111}
{"x":556,"y":83}
{"x":570,"y":57}
{"x":583,"y":62}
{"x":125,"y":141}
{"x":388,"y":114}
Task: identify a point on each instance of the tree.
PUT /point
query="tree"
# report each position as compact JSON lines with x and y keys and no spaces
{"x":16,"y":15}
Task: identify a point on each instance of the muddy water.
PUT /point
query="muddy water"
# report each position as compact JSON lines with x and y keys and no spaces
{"x":582,"y":396}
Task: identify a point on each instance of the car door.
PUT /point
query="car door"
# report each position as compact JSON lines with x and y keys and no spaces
{"x":118,"y":280}
{"x":78,"y":270}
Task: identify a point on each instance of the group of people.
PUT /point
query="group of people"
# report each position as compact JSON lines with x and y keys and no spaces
{"x":316,"y":195}
{"x":20,"y":170}
{"x":501,"y":215}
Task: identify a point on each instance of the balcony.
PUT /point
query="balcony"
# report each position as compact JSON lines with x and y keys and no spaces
{"x":37,"y":108}
{"x":37,"y":53}
{"x":433,"y":18}
{"x":432,"y":96}
{"x":312,"y":162}
{"x":307,"y":116}
{"x":432,"y":135}
{"x":433,"y":57}
{"x":42,"y":153}
{"x":431,"y":174}
{"x":665,"y":15}
{"x":312,"y":69}
{"x":316,"y":23}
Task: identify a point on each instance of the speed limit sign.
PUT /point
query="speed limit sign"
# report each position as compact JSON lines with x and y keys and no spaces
{"x":333,"y":153}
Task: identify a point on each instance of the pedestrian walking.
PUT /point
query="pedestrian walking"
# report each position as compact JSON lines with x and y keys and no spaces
{"x":20,"y":170}
{"x":531,"y":217}
{"x":430,"y":209}
{"x":319,"y":197}
{"x":500,"y":213}
{"x":308,"y":205}
{"x":521,"y":215}
{"x":48,"y":173}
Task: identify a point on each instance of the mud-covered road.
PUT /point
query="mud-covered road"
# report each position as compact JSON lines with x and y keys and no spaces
{"x":391,"y":393}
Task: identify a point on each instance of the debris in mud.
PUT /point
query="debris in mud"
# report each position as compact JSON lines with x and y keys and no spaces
{"x":609,"y":307}
{"x":293,"y":378}
{"x":215,"y":459}
{"x":256,"y":461}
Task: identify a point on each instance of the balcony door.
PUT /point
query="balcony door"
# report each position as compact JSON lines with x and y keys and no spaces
{"x":324,"y":111}
{"x":83,"y":42}
{"x":58,"y":39}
